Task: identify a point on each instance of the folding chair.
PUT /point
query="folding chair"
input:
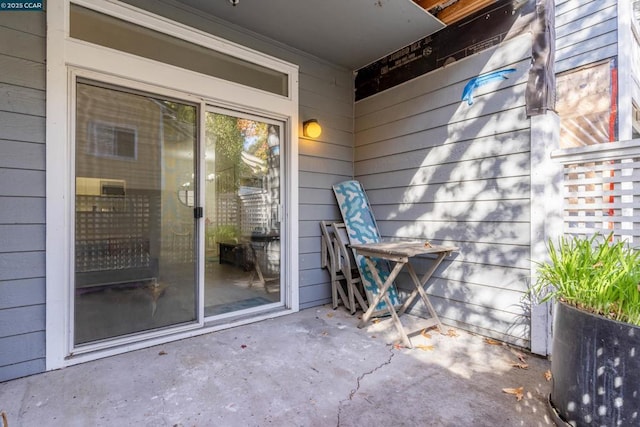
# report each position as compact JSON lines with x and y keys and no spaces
{"x":338,"y":259}
{"x":362,"y":228}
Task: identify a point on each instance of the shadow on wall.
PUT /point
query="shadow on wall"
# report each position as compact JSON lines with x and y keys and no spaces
{"x":457,"y":173}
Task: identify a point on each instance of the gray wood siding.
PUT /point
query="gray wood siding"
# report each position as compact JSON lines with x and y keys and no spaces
{"x":326,"y":94}
{"x":438,"y":169}
{"x":586,"y":32}
{"x":22,"y":193}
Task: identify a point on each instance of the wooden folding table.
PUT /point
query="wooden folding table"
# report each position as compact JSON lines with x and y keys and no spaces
{"x":400,"y":253}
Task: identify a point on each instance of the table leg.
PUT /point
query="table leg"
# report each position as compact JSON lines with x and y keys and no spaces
{"x":420,"y":283}
{"x":382,"y":295}
{"x":397,"y":322}
{"x":425,"y":299}
{"x":382,"y":288}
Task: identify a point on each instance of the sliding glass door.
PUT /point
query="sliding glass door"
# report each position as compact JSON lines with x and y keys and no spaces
{"x":137,"y":206}
{"x":242,"y":218}
{"x":135,"y":231}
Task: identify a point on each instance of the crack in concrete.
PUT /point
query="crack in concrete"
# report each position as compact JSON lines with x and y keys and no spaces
{"x":361,"y":377}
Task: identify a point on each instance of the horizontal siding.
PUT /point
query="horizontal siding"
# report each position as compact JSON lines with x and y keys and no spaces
{"x":18,"y":99}
{"x":439,"y":169}
{"x":22,"y":292}
{"x":22,"y":320}
{"x":21,"y":265}
{"x":20,"y":44}
{"x":22,"y":238}
{"x":18,"y":349}
{"x":21,"y":182}
{"x":22,"y":210}
{"x":586,"y":32}
{"x":17,"y":155}
{"x":22,"y":194}
{"x":21,"y":369}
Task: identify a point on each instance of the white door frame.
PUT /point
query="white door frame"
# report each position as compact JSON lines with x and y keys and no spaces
{"x":66,"y":56}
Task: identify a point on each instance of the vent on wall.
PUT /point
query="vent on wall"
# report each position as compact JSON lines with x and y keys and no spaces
{"x":112,"y":188}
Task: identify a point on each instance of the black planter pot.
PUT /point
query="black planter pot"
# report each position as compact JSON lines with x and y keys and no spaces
{"x":595,"y":363}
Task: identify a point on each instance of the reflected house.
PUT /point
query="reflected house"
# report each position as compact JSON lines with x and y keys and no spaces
{"x":118,"y":188}
{"x":156,"y":165}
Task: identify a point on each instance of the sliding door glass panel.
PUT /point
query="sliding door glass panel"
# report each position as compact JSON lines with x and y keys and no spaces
{"x":135,"y":257}
{"x":242,"y":218}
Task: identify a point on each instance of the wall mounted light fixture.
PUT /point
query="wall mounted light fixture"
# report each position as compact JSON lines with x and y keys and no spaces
{"x":311,"y":128}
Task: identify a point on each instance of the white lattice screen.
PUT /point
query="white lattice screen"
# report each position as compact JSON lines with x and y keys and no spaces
{"x":601,"y":190}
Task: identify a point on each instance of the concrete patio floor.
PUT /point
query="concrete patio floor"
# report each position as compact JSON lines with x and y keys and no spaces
{"x":312,"y":368}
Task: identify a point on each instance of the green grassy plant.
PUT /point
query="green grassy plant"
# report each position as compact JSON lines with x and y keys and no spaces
{"x":593,"y":274}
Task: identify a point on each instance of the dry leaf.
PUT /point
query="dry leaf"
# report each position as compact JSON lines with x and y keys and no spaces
{"x":426,"y":347}
{"x":428,"y":245}
{"x":324,"y":333}
{"x":492,"y":342}
{"x":162,"y":353}
{"x":425,"y":334}
{"x":547,"y":375}
{"x":452,"y":333}
{"x":520,"y":365}
{"x":329,"y":314}
{"x":518,"y":392}
{"x":521,"y":357}
{"x":376,"y":321}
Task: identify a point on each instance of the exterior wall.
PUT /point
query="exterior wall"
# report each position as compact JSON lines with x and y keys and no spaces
{"x":22,"y":192}
{"x":586,"y":32}
{"x":439,"y":169}
{"x":326,"y":94}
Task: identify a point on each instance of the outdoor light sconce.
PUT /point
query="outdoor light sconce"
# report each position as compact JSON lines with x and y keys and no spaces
{"x":311,"y":128}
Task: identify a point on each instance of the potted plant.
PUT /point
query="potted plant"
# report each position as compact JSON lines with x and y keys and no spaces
{"x":595,"y":354}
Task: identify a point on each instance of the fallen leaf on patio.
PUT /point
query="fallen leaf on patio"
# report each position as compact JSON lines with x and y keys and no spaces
{"x":375,"y":321}
{"x":547,"y":375}
{"x":520,"y":365}
{"x":162,"y":353}
{"x":426,"y":347}
{"x":324,"y":333}
{"x":452,"y":333}
{"x":521,"y":357}
{"x":492,"y":342}
{"x":329,"y":314}
{"x":518,"y":392}
{"x":374,"y":336}
{"x":425,"y":334}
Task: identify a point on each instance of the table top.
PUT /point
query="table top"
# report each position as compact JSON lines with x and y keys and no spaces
{"x":405,"y":248}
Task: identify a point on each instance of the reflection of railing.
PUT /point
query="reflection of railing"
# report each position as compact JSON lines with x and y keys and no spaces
{"x":601,"y":189}
{"x":255,"y":212}
{"x":112,"y":254}
{"x":112,"y":233}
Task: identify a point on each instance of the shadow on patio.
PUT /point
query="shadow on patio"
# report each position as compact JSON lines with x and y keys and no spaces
{"x":313,"y":368}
